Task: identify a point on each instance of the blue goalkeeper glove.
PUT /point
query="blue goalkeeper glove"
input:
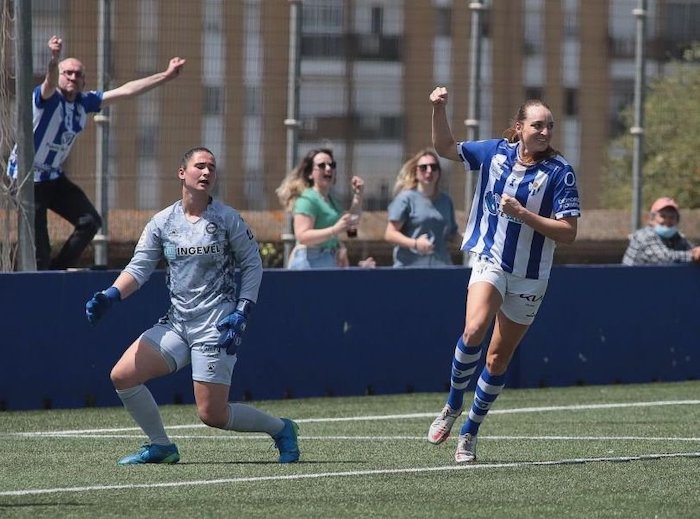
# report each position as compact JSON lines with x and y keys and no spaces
{"x":233,"y":326}
{"x":96,"y":307}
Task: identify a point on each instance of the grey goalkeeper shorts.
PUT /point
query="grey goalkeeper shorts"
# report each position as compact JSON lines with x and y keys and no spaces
{"x":194,"y":341}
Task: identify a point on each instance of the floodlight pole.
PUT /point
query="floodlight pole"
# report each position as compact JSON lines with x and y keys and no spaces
{"x":472,"y":121}
{"x":291,"y":122}
{"x":637,"y":130}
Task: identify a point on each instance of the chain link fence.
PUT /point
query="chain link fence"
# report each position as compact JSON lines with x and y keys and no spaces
{"x":366,"y":70}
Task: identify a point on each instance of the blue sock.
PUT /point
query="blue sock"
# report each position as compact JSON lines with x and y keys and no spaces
{"x":487,"y":390}
{"x":463,"y":366}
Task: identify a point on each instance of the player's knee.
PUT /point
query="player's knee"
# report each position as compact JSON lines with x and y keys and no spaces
{"x":89,"y":224}
{"x":497,"y":364}
{"x":212,"y":417}
{"x":473,"y":334}
{"x":119,"y":378}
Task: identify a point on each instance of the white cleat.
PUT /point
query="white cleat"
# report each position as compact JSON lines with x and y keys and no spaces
{"x":440,"y":428}
{"x":466,"y":448}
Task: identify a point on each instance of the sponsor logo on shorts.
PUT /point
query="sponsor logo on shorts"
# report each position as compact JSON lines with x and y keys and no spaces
{"x":533,"y":298}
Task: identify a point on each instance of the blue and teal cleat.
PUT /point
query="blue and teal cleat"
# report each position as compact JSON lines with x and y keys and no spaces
{"x":150,"y":453}
{"x":286,"y":442}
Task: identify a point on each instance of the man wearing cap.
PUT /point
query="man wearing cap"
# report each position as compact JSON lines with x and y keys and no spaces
{"x":660,"y":241}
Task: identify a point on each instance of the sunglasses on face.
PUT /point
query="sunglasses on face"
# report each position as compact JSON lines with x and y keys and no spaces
{"x":433,"y":166}
{"x":323,"y":165}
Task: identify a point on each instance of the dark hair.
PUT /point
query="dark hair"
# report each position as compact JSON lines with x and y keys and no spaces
{"x":511,"y":134}
{"x":299,"y":178}
{"x":188,"y":155}
{"x":306,"y":164}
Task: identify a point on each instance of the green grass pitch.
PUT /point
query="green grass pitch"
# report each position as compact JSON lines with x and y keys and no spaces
{"x":594,"y":451}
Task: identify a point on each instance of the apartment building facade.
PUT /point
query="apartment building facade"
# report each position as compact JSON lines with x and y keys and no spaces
{"x":366,"y":70}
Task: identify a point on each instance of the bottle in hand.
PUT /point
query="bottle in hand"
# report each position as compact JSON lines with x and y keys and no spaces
{"x":352,"y":230}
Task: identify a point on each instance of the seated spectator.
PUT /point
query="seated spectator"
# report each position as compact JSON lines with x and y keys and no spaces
{"x":421,"y":217}
{"x":319,"y":219}
{"x":660,"y":241}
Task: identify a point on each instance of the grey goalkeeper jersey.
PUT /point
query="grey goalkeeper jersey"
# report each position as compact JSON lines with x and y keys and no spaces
{"x":201,"y":258}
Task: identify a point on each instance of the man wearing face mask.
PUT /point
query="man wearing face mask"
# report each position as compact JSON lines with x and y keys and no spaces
{"x":660,"y":241}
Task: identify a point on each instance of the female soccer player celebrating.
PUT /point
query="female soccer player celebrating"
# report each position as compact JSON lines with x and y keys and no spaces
{"x":525,"y":202}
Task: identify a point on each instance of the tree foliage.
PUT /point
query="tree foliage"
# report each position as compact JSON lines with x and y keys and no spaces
{"x":671,"y":129}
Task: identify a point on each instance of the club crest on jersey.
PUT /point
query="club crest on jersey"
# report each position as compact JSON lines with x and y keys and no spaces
{"x":211,"y":228}
{"x":534,"y":186}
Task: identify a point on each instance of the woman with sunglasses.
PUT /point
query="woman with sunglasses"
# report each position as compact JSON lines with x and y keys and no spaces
{"x":319,"y":219}
{"x":525,"y":202}
{"x":421,"y":217}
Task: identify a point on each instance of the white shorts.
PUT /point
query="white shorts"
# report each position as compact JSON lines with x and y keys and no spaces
{"x":194,"y":341}
{"x":522,"y":297}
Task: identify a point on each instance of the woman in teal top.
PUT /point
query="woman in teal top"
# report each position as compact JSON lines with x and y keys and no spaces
{"x":318,"y":216}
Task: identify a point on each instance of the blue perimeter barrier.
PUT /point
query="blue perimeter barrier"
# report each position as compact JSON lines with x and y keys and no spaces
{"x":353,"y":332}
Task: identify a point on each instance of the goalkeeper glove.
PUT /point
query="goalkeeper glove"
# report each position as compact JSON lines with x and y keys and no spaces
{"x":233,"y":326}
{"x":96,"y":307}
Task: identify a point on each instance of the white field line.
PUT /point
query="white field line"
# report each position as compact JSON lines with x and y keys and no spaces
{"x":225,"y":435}
{"x":353,"y":473}
{"x":384,"y":417}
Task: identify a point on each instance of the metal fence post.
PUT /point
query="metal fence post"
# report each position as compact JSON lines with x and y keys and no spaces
{"x":291,"y":122}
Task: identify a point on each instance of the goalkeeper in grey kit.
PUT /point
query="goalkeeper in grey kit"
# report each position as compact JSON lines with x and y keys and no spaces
{"x":202,"y":241}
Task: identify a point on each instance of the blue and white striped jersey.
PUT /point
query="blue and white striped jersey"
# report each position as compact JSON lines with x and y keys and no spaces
{"x":201,"y":258}
{"x":547,"y":188}
{"x":56,"y":124}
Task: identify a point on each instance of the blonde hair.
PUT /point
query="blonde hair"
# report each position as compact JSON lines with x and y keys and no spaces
{"x":299,"y":179}
{"x":406,"y":179}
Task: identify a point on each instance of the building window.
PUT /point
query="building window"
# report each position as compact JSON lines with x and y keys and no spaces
{"x":377,"y":20}
{"x":683,"y":20}
{"x":443,"y":21}
{"x":213,"y":100}
{"x":253,"y":101}
{"x":681,"y":27}
{"x":533,"y":27}
{"x":148,"y":142}
{"x":322,"y":17}
{"x":571,"y":19}
{"x":571,"y":102}
{"x":322,"y":33}
{"x":533,"y":93}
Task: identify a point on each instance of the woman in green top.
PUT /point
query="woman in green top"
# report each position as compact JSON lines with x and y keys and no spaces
{"x":318,"y":216}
